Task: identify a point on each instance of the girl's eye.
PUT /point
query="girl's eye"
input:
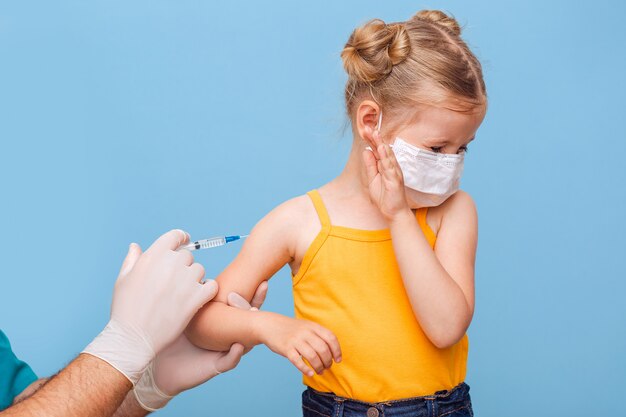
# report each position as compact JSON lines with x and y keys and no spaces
{"x":436,"y":149}
{"x":463,"y":149}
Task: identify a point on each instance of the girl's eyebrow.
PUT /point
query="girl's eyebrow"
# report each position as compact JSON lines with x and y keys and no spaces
{"x":443,"y":141}
{"x":436,"y":141}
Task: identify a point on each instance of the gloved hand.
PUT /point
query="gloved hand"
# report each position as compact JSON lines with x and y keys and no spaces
{"x":182,"y":365}
{"x":155,"y":296}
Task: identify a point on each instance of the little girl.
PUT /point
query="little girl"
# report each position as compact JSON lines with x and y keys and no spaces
{"x":383,"y":255}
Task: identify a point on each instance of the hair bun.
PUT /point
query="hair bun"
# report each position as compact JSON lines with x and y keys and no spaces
{"x":439,"y":18}
{"x":373,"y":49}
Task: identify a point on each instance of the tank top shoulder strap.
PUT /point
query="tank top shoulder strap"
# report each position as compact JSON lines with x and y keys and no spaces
{"x":420,"y":214}
{"x":320,"y":208}
{"x":319,"y":240}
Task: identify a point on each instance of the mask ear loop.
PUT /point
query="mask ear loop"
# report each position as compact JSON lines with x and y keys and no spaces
{"x":380,"y":123}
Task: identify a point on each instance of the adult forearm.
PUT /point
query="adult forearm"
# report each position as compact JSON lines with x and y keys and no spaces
{"x":437,"y":300}
{"x":217,"y":326}
{"x":87,"y":387}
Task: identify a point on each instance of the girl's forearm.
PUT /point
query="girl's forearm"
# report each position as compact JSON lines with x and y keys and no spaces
{"x":217,"y":326}
{"x":437,"y":300}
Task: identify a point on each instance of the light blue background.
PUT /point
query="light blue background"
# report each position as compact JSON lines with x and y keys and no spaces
{"x":120,"y":120}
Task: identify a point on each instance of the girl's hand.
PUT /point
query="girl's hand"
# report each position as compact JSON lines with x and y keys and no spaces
{"x":298,"y":340}
{"x":386,"y":184}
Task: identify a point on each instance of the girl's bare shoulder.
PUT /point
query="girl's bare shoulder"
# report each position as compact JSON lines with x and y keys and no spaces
{"x":293,"y":221}
{"x":459,"y":206}
{"x":292,"y":212}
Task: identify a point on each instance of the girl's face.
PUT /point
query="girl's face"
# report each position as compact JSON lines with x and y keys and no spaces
{"x":441,"y":130}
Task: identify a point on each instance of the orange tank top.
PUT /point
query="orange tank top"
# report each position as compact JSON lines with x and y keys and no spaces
{"x":350,"y":283}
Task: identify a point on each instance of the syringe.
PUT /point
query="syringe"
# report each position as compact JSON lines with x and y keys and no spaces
{"x":212,"y":242}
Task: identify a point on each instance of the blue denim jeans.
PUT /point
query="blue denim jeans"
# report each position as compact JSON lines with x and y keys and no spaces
{"x":451,"y":403}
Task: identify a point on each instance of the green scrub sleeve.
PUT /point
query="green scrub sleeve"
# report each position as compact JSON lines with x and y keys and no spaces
{"x":15,"y":375}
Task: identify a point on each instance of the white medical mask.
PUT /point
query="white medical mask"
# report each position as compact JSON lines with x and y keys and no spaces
{"x":429,"y":177}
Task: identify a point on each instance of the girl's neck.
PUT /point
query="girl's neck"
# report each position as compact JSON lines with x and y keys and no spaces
{"x":352,"y":182}
{"x":347,"y":196}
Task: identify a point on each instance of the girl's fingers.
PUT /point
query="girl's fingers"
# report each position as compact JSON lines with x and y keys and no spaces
{"x":381,"y":168}
{"x":391,"y":170}
{"x":311,"y":356}
{"x":385,"y":167}
{"x":391,"y":157}
{"x":394,"y":161}
{"x":371,"y":167}
{"x":322,"y":349}
{"x":382,"y":150}
{"x":396,"y":167}
{"x":331,"y":340}
{"x":377,"y":140}
{"x":372,"y":144}
{"x":295,"y":358}
{"x":374,"y":149}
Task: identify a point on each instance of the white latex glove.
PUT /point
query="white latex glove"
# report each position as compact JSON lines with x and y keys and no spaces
{"x":155,"y":296}
{"x":182,"y":365}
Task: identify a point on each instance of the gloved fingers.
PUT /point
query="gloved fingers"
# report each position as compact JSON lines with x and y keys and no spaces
{"x":171,"y":240}
{"x":237,"y":301}
{"x":134,"y":252}
{"x":259,"y":295}
{"x":186,"y":256}
{"x":230,"y":359}
{"x":296,"y":359}
{"x":206,"y":292}
{"x":196,"y":272}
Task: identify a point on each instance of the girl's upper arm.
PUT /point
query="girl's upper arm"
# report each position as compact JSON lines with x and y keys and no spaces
{"x":268,"y":248}
{"x":456,"y":243}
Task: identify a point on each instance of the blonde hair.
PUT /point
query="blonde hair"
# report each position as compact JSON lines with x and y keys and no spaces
{"x":423,"y":60}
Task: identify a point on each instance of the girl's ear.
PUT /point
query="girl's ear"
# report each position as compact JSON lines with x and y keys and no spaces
{"x":366,"y":120}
